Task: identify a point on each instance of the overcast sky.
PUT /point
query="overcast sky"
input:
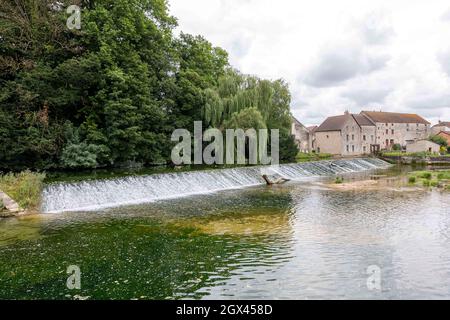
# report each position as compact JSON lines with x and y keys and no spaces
{"x":336,"y":55}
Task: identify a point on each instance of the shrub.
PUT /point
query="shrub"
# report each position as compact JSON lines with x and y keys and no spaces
{"x":81,"y":155}
{"x":439,"y":140}
{"x":412,"y":180}
{"x":434,"y":183}
{"x":24,"y":187}
{"x":397,"y":147}
{"x":426,"y":175}
{"x":426,"y":183}
{"x":339,"y":180}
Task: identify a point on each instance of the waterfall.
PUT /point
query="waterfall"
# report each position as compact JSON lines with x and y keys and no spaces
{"x":99,"y":194}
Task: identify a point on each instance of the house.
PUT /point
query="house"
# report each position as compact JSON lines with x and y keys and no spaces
{"x":440,"y":127}
{"x":423,"y":146}
{"x":369,"y":132}
{"x":398,"y":128}
{"x":346,"y":135}
{"x":301,"y":135}
{"x":445,"y":135}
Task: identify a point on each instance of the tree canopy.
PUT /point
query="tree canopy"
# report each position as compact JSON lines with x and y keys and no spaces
{"x":113,"y":91}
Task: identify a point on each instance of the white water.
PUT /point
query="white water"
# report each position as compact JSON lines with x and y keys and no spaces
{"x":99,"y":194}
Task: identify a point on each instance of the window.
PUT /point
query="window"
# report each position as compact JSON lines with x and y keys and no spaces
{"x":371,"y":138}
{"x":348,"y":137}
{"x":387,"y":142}
{"x":353,"y":137}
{"x":387,"y":124}
{"x":328,"y":136}
{"x":348,"y":149}
{"x":353,"y":148}
{"x":364,"y":137}
{"x":387,"y":131}
{"x":364,"y":149}
{"x":393,"y":131}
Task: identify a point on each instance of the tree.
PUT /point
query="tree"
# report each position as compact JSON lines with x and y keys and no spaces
{"x":439,"y":140}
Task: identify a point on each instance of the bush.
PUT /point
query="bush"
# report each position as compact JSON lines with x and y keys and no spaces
{"x":24,"y":187}
{"x":397,"y":147}
{"x":412,"y":180}
{"x":439,"y":140}
{"x":339,"y":180}
{"x":426,"y":183}
{"x":426,"y":175}
{"x":81,"y":156}
{"x":434,"y":183}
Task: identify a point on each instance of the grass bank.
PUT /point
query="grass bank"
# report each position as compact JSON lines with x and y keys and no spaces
{"x":25,"y":188}
{"x":431,"y":179}
{"x":309,"y":157}
{"x":413,"y":154}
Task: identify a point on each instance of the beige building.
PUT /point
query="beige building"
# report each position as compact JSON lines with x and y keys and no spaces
{"x":369,"y":132}
{"x":347,"y":135}
{"x":423,"y":146}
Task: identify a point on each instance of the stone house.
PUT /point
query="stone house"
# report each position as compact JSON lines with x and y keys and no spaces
{"x":398,"y":128}
{"x":347,"y":135}
{"x":423,"y":146}
{"x":440,"y":127}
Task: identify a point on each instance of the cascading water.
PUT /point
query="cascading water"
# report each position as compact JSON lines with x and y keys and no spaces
{"x":98,"y":194}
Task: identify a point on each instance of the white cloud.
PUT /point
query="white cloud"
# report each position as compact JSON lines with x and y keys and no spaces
{"x":336,"y":55}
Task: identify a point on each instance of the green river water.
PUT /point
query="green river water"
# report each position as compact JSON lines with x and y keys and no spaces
{"x":302,"y":240}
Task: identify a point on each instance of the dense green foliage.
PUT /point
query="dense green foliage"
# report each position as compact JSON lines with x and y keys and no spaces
{"x":113,"y":92}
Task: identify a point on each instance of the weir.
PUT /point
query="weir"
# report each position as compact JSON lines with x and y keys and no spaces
{"x":100,"y":194}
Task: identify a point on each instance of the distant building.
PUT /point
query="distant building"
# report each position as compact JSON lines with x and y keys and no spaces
{"x":301,"y":135}
{"x":423,"y":146}
{"x":440,"y":127}
{"x":369,"y":132}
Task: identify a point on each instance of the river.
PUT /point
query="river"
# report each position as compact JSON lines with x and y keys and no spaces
{"x":302,"y":240}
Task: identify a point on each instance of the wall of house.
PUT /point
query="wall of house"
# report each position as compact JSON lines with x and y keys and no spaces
{"x":352,"y":139}
{"x":329,"y":142}
{"x":389,"y":134}
{"x":422,"y":146}
{"x":301,"y":136}
{"x":368,"y":138}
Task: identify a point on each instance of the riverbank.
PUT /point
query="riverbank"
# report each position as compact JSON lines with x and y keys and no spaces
{"x":416,"y":158}
{"x":20,"y":193}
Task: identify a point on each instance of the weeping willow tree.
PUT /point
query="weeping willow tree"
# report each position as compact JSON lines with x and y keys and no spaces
{"x":239,"y":100}
{"x":236,"y":92}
